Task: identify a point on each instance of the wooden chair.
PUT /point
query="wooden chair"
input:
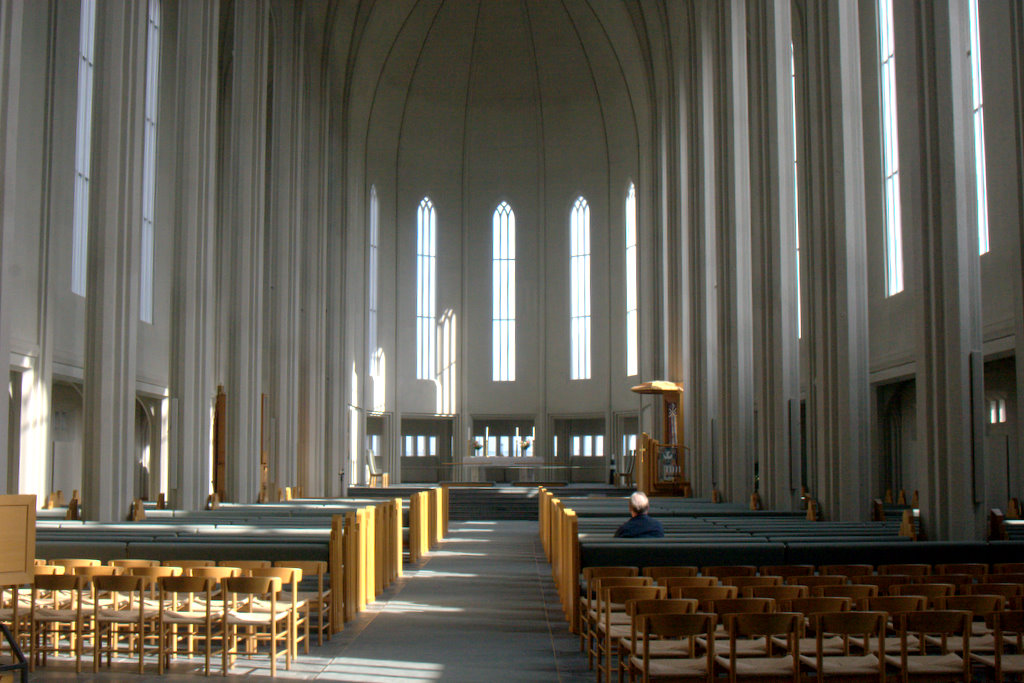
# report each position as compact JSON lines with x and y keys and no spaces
{"x":71,"y":562}
{"x":905,"y":568}
{"x":728,"y":606}
{"x":981,"y":607}
{"x":588,"y":587}
{"x":847,"y":569}
{"x":318,"y":601}
{"x":921,"y":664}
{"x":827,"y":665}
{"x":242,"y":597}
{"x":57,"y":617}
{"x":857,"y":593}
{"x":290,"y":578}
{"x":595,"y":608}
{"x":660,"y":628}
{"x":186,"y":615}
{"x":659,"y":573}
{"x":786,"y":570}
{"x":1008,"y":655}
{"x":810,"y":607}
{"x":245,"y":565}
{"x":894,"y":605}
{"x":119,"y":609}
{"x":632,"y":645}
{"x":817,"y":580}
{"x":723,"y":571}
{"x":132,"y":563}
{"x":769,"y":663}
{"x":609,"y":630}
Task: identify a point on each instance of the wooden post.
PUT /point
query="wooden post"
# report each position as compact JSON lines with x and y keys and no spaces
{"x":336,"y":561}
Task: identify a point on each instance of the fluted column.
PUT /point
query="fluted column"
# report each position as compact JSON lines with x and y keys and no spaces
{"x":242,"y":246}
{"x":950,"y":365}
{"x":193,"y":387}
{"x":776,"y":295}
{"x":284,"y":258}
{"x":112,"y":289}
{"x":836,"y":324}
{"x":10,"y":80}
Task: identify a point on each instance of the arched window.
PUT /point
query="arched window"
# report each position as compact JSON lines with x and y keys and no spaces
{"x":632,"y":308}
{"x":890,"y":152}
{"x":426,"y":290}
{"x":579,"y":290}
{"x":503,"y":294}
{"x":149,"y":164}
{"x":83,"y":148}
{"x":978,"y":105}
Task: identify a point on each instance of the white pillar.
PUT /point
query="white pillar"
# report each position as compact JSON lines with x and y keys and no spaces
{"x":836,"y":324}
{"x":112,"y":291}
{"x":192,"y":380}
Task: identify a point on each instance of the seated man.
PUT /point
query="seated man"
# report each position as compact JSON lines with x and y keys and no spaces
{"x":640,"y":525}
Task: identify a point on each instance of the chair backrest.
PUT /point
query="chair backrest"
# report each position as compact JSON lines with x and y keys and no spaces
{"x":975,"y":569}
{"x":742,"y":605}
{"x":870,"y":625}
{"x":847,"y":569}
{"x":722,"y":571}
{"x":687,"y":581}
{"x":932,"y":591}
{"x":979,"y":605}
{"x":858,"y":593}
{"x":115,"y":584}
{"x":775,"y":592}
{"x":884,"y":582}
{"x":1012,"y":592}
{"x":189,"y":564}
{"x":244,"y":564}
{"x":786,"y":570}
{"x":767,"y":624}
{"x":70,"y":562}
{"x":309,"y":567}
{"x":289,"y":576}
{"x":251,"y":585}
{"x":128,"y":563}
{"x":215,"y":573}
{"x":936,"y":622}
{"x":897,"y":604}
{"x":620,"y":595}
{"x":640,"y":606}
{"x":1008,"y":568}
{"x":41,"y":569}
{"x":679,"y":625}
{"x":705,"y":595}
{"x":817,"y":580}
{"x":58,"y":582}
{"x":906,"y":568}
{"x":745,"y":581}
{"x":659,"y":573}
{"x":601,"y":572}
{"x":97,"y":570}
{"x":154,"y":573}
{"x":809,"y":606}
{"x":959,"y":581}
{"x":186,"y":584}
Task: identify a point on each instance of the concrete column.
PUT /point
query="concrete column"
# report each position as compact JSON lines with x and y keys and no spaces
{"x":242,"y":245}
{"x":284,"y":242}
{"x":112,"y":290}
{"x":835,"y":324}
{"x":10,"y":83}
{"x":193,"y":387}
{"x":776,"y":295}
{"x":950,"y":365}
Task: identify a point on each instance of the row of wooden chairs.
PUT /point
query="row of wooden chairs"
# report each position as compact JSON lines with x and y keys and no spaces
{"x":136,"y":603}
{"x":973,"y":569}
{"x":603,"y":618}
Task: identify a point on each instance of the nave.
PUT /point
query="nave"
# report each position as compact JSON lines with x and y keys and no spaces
{"x":482,"y":607}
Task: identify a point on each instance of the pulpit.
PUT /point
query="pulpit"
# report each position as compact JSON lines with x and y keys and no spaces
{"x":659,"y":465}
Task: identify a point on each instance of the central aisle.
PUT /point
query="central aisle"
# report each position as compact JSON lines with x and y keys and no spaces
{"x":481,"y":608}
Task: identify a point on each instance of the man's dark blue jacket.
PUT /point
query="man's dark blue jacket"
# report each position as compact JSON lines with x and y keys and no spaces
{"x":641,"y":526}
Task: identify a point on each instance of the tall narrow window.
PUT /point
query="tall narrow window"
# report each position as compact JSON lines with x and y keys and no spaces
{"x":632,"y":309}
{"x":373,"y":228}
{"x":978,"y":103}
{"x":796,"y":195}
{"x":503,"y":294}
{"x":83,"y":148}
{"x":579,"y":290}
{"x":890,"y":152}
{"x":149,"y":164}
{"x":426,"y":290}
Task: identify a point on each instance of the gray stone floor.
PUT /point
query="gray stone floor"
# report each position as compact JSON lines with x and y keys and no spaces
{"x":480,"y":608}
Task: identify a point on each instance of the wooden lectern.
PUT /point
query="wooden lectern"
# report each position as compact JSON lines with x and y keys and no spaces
{"x":659,"y":467}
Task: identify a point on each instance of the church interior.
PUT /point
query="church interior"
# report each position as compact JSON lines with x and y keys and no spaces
{"x":743,"y":255}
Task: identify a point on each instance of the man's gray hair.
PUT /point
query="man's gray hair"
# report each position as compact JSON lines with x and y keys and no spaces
{"x":638,"y":503}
